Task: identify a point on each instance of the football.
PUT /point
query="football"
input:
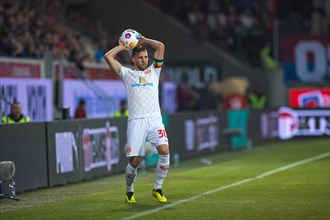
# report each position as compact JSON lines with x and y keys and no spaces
{"x":129,"y":38}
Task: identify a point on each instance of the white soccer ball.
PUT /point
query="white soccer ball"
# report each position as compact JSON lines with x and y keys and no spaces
{"x":129,"y":38}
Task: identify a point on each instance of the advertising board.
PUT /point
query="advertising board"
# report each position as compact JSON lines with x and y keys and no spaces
{"x":309,"y":97}
{"x":36,"y":97}
{"x":303,"y":122}
{"x":305,"y":58}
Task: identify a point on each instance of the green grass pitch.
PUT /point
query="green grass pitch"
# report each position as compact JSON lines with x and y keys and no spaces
{"x":280,"y":180}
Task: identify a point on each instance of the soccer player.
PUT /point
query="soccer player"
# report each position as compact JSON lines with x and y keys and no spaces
{"x":144,"y":120}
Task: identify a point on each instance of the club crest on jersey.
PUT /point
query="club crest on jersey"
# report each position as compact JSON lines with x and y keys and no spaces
{"x":147,"y":71}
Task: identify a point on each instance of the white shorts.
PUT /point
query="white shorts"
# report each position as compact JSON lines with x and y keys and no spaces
{"x":141,"y":129}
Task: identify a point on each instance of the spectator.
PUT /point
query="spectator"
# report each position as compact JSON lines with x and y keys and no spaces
{"x":316,"y":21}
{"x":80,"y":111}
{"x":15,"y":115}
{"x":122,"y":112}
{"x":247,"y":20}
{"x":257,"y":98}
{"x":254,"y":42}
{"x":197,"y":21}
{"x":216,"y":21}
{"x":187,"y":96}
{"x":233,"y":27}
{"x":266,"y":56}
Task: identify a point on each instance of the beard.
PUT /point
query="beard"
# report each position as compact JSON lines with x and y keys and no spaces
{"x":142,"y":66}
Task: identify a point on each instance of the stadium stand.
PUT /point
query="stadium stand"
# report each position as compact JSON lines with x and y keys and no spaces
{"x":242,"y":27}
{"x":30,"y":28}
{"x":67,"y":29}
{"x":239,"y":27}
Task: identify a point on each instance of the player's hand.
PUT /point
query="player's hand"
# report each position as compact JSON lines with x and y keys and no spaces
{"x":141,"y":38}
{"x":122,"y":45}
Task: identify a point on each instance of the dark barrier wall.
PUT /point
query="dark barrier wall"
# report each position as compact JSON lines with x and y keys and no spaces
{"x":192,"y":134}
{"x":85,"y":149}
{"x":61,"y":152}
{"x":263,"y":125}
{"x":25,"y":145}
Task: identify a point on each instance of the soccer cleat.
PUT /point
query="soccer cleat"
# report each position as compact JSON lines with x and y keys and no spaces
{"x":130,"y":197}
{"x":158,"y":194}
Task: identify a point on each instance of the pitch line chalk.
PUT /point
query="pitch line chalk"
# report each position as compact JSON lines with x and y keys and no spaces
{"x":298,"y":163}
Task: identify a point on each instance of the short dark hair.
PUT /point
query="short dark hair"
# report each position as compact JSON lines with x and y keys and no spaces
{"x":15,"y":103}
{"x":123,"y":102}
{"x":138,"y":49}
{"x":82,"y":102}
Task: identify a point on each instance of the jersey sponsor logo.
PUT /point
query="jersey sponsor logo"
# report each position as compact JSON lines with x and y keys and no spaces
{"x":142,"y":82}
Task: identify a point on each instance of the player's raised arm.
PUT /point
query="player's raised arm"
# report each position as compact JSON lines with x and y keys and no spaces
{"x":157,"y":45}
{"x":110,"y":58}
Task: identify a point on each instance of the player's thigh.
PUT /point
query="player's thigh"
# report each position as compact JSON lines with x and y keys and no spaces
{"x":157,"y":133}
{"x":136,"y":135}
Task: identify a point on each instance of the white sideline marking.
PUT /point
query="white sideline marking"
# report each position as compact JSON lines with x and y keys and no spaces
{"x":298,"y":163}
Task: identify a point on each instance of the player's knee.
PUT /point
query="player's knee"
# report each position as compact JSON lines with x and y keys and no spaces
{"x":163,"y":149}
{"x":134,"y":161}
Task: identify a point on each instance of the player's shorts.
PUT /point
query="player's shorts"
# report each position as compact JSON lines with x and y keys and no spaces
{"x":141,"y":129}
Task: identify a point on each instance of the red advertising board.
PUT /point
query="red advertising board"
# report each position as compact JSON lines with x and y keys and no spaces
{"x":92,"y":72}
{"x":309,"y":97}
{"x":26,"y":68}
{"x":20,"y":68}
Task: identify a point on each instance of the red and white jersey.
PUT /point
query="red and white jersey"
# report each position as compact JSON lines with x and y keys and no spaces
{"x":142,"y":91}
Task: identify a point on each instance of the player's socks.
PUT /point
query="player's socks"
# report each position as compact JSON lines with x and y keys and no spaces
{"x":161,"y":170}
{"x":131,"y":173}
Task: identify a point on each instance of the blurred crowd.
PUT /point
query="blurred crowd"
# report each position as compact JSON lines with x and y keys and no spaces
{"x":37,"y":28}
{"x":30,"y":29}
{"x":244,"y":27}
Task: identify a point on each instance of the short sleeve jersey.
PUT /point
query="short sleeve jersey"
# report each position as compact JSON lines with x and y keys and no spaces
{"x":142,"y":90}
